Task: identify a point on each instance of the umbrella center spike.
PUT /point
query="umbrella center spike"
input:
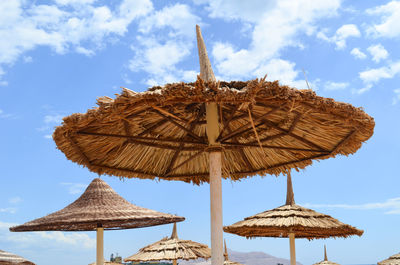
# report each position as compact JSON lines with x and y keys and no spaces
{"x":215,"y":157}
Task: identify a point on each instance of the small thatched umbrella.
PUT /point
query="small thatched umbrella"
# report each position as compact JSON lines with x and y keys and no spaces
{"x":171,"y":248}
{"x":107,"y":263}
{"x":226,"y":257}
{"x":7,"y":258}
{"x":392,"y":260}
{"x":291,"y":220}
{"x":98,"y":208}
{"x":207,"y":130}
{"x":326,"y":261}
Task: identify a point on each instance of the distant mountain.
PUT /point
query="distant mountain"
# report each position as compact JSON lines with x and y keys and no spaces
{"x":246,"y":258}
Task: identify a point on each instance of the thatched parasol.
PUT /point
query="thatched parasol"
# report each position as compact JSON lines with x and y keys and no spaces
{"x":326,"y":261}
{"x":171,"y":248}
{"x":291,"y":220}
{"x":107,"y":263}
{"x":202,"y":131}
{"x":98,"y":208}
{"x":392,"y":260}
{"x":227,"y":261}
{"x":7,"y":258}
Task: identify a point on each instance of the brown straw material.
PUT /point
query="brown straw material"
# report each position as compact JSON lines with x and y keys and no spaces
{"x":392,"y":260}
{"x":161,"y":133}
{"x":292,"y":218}
{"x":7,"y":258}
{"x":171,"y":248}
{"x":98,"y":206}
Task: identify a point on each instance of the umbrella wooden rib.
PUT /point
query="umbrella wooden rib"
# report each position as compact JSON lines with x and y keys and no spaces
{"x":161,"y":133}
{"x":7,"y":258}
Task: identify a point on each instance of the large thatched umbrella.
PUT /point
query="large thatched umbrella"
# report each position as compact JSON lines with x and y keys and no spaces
{"x":292,"y":220}
{"x":202,"y":131}
{"x":7,"y":258}
{"x":98,"y":208}
{"x":392,"y":260}
{"x":326,"y":261}
{"x":171,"y":248}
{"x":227,"y":261}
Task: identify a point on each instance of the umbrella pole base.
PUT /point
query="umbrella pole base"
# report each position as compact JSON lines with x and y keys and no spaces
{"x":216,"y":209}
{"x":100,"y":246}
{"x":292,"y":249}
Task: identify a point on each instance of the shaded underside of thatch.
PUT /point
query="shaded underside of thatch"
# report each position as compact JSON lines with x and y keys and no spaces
{"x":161,"y":133}
{"x":392,"y":260}
{"x":98,"y":206}
{"x":7,"y":258}
{"x":303,"y":222}
{"x":171,"y":249}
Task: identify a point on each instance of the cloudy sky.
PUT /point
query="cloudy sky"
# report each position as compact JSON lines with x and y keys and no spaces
{"x":57,"y":57}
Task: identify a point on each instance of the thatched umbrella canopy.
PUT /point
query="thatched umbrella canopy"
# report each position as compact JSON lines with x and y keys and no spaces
{"x":392,"y":260}
{"x":326,"y":261}
{"x":7,"y":258}
{"x":292,"y":220}
{"x":171,"y":248}
{"x":227,"y":261}
{"x":98,"y":208}
{"x":207,"y":130}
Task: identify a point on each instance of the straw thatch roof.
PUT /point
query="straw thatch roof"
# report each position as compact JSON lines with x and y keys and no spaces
{"x":98,"y":206}
{"x":171,"y":248}
{"x":325,"y":261}
{"x":7,"y":258}
{"x":161,"y":133}
{"x":292,"y":218}
{"x":392,"y":260}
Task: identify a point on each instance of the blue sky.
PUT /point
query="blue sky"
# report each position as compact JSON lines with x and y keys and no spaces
{"x":57,"y":57}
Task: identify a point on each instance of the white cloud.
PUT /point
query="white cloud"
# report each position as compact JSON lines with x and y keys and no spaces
{"x":341,"y":35}
{"x":396,"y":98}
{"x":389,"y":25}
{"x":238,"y":10}
{"x":276,"y":28}
{"x":50,"y":120}
{"x":8,"y":210}
{"x":330,"y":85}
{"x":84,"y":51}
{"x":27,"y":59}
{"x":4,"y":115}
{"x":166,"y":39}
{"x":15,"y":200}
{"x":357,"y":53}
{"x":375,"y":75}
{"x":391,"y":206}
{"x":45,"y":239}
{"x":378,"y":52}
{"x":63,"y":27}
{"x":74,"y":188}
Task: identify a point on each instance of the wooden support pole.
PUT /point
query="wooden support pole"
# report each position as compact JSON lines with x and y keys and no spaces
{"x":215,"y":156}
{"x":174,"y":262}
{"x":216,"y":209}
{"x":292,"y":249}
{"x":100,"y":246}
